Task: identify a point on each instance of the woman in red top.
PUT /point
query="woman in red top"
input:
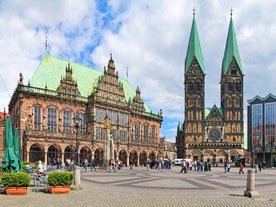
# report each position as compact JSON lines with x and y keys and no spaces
{"x":241,"y":168}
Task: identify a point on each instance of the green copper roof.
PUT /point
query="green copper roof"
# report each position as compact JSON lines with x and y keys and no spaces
{"x":194,"y":49}
{"x":209,"y":109}
{"x":231,"y":49}
{"x":181,"y":127}
{"x":52,"y":69}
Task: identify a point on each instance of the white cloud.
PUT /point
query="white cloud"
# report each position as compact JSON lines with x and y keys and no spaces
{"x":148,"y":37}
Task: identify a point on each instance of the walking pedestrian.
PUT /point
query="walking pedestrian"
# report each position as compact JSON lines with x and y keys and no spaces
{"x":184,"y":166}
{"x":241,"y":168}
{"x":260,"y":167}
{"x":93,"y":165}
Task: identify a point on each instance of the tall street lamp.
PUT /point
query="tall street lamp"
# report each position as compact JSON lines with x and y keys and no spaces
{"x":77,"y":125}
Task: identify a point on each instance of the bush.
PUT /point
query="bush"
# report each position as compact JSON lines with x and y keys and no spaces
{"x":60,"y":178}
{"x":25,"y":163}
{"x":16,"y":179}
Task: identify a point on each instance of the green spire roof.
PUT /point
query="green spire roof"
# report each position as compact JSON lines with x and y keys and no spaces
{"x":194,"y":49}
{"x":52,"y":69}
{"x":231,"y":49}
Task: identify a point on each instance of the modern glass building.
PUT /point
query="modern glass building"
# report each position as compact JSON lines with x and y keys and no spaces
{"x":262,"y":129}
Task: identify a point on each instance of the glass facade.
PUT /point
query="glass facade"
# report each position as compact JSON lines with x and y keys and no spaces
{"x":257,"y":125}
{"x":262,"y":130}
{"x":270,"y":122}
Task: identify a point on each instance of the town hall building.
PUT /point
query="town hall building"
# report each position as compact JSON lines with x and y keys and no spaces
{"x":70,"y":111}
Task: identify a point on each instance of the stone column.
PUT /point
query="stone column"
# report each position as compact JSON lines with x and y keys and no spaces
{"x":77,"y":179}
{"x":250,"y":185}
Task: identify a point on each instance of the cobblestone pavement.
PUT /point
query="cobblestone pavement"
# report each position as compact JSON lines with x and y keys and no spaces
{"x":139,"y":187}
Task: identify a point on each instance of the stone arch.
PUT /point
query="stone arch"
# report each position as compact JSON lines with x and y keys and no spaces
{"x":133,"y":155}
{"x":143,"y":158}
{"x":159,"y":155}
{"x":234,"y":154}
{"x":69,"y":152}
{"x":36,"y":153}
{"x":196,"y":155}
{"x":99,"y":154}
{"x":208,"y":155}
{"x":123,"y":157}
{"x":85,"y":153}
{"x":221,"y":154}
{"x":53,"y":152}
{"x":152,"y":156}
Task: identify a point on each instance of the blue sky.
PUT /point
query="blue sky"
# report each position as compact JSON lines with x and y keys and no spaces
{"x":148,"y":38}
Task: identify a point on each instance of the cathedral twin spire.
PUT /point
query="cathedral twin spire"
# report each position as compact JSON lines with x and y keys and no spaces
{"x":231,"y":49}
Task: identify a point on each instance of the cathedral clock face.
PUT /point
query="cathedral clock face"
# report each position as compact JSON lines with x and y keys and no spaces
{"x":214,"y":134}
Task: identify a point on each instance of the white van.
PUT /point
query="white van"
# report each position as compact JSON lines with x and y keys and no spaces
{"x":179,"y":161}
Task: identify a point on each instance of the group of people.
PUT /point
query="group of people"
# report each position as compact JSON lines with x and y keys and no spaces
{"x":227,"y":166}
{"x":113,"y":165}
{"x":195,"y":165}
{"x":161,"y":164}
{"x":55,"y":162}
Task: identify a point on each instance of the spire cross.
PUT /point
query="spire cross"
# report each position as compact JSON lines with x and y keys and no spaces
{"x":231,"y":11}
{"x":194,"y":11}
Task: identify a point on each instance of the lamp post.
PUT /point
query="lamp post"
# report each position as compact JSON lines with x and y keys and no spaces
{"x":77,"y":121}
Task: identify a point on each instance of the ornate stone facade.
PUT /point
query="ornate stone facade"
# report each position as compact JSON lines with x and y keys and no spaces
{"x":44,"y":116}
{"x":211,"y":133}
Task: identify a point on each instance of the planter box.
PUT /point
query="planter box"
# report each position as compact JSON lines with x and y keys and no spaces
{"x":16,"y":190}
{"x":60,"y":189}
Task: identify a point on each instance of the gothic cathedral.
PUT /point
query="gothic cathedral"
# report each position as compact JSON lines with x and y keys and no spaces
{"x":211,"y":133}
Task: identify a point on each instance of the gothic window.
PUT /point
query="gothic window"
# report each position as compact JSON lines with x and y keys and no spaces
{"x":67,"y":121}
{"x":234,"y":128}
{"x":113,"y":116}
{"x":152,"y":133}
{"x":231,"y":87}
{"x":191,"y":88}
{"x":238,"y":128}
{"x":100,"y":114}
{"x":52,"y":119}
{"x":189,"y":128}
{"x":237,"y":100}
{"x":37,"y":117}
{"x":199,"y":128}
{"x":146,"y":132}
{"x":238,"y":88}
{"x":228,"y":128}
{"x":198,"y":101}
{"x":114,"y":135}
{"x":82,"y":125}
{"x":137,"y":131}
{"x":123,"y":135}
{"x":123,"y":119}
{"x":194,"y":128}
{"x":229,"y":103}
{"x":233,"y":70}
{"x":99,"y":133}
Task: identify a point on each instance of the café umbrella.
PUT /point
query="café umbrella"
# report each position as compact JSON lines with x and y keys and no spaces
{"x":17,"y":149}
{"x":10,"y":161}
